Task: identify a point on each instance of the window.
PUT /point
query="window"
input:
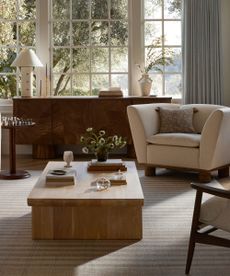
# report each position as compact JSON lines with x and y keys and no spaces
{"x":86,"y":45}
{"x":17,"y":31}
{"x":162,"y":34}
{"x":89,"y":45}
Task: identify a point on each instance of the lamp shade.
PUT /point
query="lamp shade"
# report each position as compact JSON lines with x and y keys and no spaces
{"x":27,"y":58}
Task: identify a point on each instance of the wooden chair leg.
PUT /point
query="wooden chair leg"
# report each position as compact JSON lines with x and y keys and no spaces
{"x":190,"y":255}
{"x":205,"y":177}
{"x":150,"y":171}
{"x":195,"y":222}
{"x":224,"y":172}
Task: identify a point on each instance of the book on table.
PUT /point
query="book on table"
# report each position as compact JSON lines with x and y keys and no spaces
{"x":109,"y":165}
{"x":59,"y":178}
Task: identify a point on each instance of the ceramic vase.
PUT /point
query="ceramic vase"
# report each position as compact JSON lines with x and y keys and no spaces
{"x":145,"y":84}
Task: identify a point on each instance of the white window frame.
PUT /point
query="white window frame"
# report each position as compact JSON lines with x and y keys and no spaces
{"x":135,"y":48}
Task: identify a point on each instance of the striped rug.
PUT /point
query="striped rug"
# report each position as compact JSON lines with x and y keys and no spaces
{"x":162,"y":251}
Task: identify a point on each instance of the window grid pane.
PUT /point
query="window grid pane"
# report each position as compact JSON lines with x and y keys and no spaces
{"x":17,"y":31}
{"x":162,"y":30}
{"x":95,"y":39}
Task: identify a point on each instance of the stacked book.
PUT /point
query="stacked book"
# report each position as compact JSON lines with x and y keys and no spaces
{"x":59,"y":178}
{"x":109,"y":165}
{"x":111,"y":92}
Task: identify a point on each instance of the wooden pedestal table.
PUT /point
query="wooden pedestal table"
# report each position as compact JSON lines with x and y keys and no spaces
{"x":13,"y":173}
{"x":82,"y":212}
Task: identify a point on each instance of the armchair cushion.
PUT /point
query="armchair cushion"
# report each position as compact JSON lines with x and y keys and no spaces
{"x":176,"y":120}
{"x":191,"y":140}
{"x":216,"y":211}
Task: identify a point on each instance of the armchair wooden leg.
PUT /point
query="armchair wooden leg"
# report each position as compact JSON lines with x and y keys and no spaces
{"x":224,"y":172}
{"x":205,"y":177}
{"x":150,"y":171}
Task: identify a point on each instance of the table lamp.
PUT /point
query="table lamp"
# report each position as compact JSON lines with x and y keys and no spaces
{"x":26,"y":61}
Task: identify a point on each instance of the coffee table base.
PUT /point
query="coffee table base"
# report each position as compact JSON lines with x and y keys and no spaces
{"x":87,"y":222}
{"x":19,"y":174}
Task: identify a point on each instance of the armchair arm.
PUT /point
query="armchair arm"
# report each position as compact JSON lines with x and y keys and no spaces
{"x":211,"y":190}
{"x":144,"y":122}
{"x":215,"y":140}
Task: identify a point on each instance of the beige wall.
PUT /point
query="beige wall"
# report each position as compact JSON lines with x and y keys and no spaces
{"x":226,"y":49}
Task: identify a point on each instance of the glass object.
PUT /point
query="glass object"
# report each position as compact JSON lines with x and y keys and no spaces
{"x":99,"y":33}
{"x":8,"y":9}
{"x":157,"y":84}
{"x":119,"y":60}
{"x":7,"y":56}
{"x":102,"y":183}
{"x":61,"y":85}
{"x":27,"y":9}
{"x":172,"y":9}
{"x":81,"y":60}
{"x":100,"y":60}
{"x":153,"y":30}
{"x":7,"y":86}
{"x":27,"y":33}
{"x":99,"y":9}
{"x":61,"y":9}
{"x":8,"y":34}
{"x":173,"y":85}
{"x":172,"y":32}
{"x":80,"y":9}
{"x":61,"y":36}
{"x":80,"y":85}
{"x":119,"y":33}
{"x":120,"y":80}
{"x":68,"y":158}
{"x":176,"y":66}
{"x":99,"y":81}
{"x":80,"y":33}
{"x":119,"y":9}
{"x":61,"y":60}
{"x":153,"y":9}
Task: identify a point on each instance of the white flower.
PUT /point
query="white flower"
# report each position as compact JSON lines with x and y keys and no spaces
{"x":102,"y":141}
{"x":89,"y":129}
{"x":85,"y":150}
{"x":111,"y":146}
{"x":82,"y":139}
{"x":115,"y":137}
{"x":101,"y":132}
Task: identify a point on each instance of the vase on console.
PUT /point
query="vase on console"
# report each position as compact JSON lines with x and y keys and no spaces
{"x":145,"y":84}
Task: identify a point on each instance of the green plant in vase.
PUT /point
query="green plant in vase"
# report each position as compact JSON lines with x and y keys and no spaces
{"x":97,"y":142}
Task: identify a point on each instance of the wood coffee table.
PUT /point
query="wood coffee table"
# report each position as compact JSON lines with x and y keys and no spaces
{"x":82,"y":212}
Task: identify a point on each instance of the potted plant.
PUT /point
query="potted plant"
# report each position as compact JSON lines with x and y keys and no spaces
{"x":97,"y":142}
{"x":155,"y":60}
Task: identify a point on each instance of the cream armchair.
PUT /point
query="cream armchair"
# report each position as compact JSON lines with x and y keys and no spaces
{"x":204,"y":151}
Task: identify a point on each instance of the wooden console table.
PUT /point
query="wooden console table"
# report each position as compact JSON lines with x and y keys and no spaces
{"x":62,"y":120}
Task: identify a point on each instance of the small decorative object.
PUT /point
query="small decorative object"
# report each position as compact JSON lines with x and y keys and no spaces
{"x":145,"y":83}
{"x":156,"y":58}
{"x":97,"y":142}
{"x":68,"y":157}
{"x":59,"y":178}
{"x":102,"y":183}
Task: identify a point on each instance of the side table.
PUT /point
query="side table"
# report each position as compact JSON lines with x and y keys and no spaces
{"x":13,"y":173}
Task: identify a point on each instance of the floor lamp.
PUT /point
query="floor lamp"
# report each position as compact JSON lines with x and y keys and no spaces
{"x":26,"y":61}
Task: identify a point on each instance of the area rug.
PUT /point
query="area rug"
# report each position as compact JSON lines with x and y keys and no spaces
{"x":167,"y":217}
